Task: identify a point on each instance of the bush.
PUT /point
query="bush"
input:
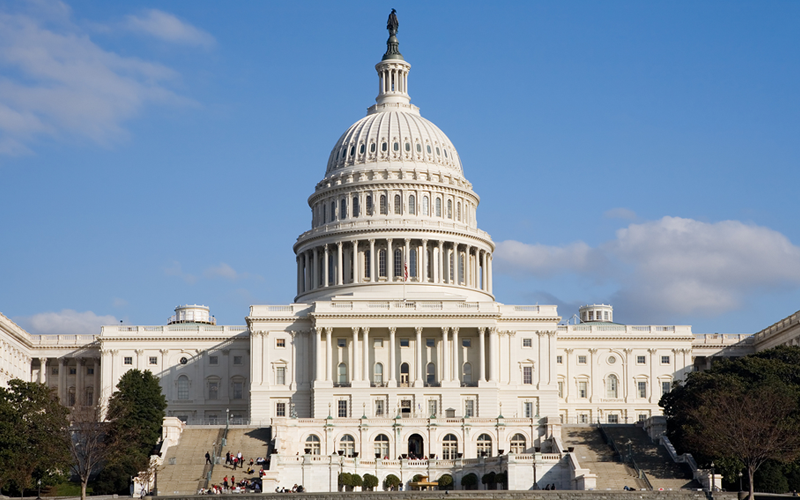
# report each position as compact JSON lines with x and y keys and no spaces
{"x":489,"y":478}
{"x":370,"y":482}
{"x":345,"y":480}
{"x":470,"y":481}
{"x":446,"y":482}
{"x":417,"y":478}
{"x":391,"y":482}
{"x":501,"y":478}
{"x":355,"y":480}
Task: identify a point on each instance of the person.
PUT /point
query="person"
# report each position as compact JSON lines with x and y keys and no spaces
{"x":227,"y":457}
{"x":233,"y":480}
{"x":208,"y":457}
{"x":225,"y":482}
{"x":241,"y":460}
{"x":251,"y":461}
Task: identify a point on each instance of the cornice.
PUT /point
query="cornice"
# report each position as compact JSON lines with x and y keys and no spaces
{"x":369,"y":185}
{"x":306,"y":239}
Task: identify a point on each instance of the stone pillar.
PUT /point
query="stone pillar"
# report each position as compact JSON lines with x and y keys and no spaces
{"x":319,"y":367}
{"x":440,"y":278}
{"x":42,"y":370}
{"x":489,"y":281}
{"x":355,"y":375}
{"x":483,"y":271}
{"x":391,"y":367}
{"x":389,"y":259}
{"x":653,"y":359}
{"x":424,"y":262}
{"x":356,"y":264}
{"x":407,"y":258}
{"x":329,"y":352}
{"x":456,"y":351}
{"x":366,"y":348}
{"x":315,"y":270}
{"x":62,"y":380}
{"x":419,"y":382}
{"x":494,"y":354}
{"x":96,"y":382}
{"x":299,"y":275}
{"x":467,"y":267}
{"x":482,"y":344}
{"x":339,"y":274}
{"x":445,"y":356}
{"x":307,"y":274}
{"x":372,"y":257}
{"x":80,"y":388}
{"x":326,"y":268}
{"x":592,"y":379}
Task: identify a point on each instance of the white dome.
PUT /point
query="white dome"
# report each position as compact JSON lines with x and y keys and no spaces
{"x":394,"y":136}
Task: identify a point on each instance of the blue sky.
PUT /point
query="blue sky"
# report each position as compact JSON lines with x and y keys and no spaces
{"x":639,"y":153}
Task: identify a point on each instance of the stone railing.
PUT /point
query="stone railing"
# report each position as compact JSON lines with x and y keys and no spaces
{"x":632,"y":330}
{"x":58,"y":340}
{"x":208,"y":329}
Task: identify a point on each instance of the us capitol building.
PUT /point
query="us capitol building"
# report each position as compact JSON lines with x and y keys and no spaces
{"x":394,"y":345}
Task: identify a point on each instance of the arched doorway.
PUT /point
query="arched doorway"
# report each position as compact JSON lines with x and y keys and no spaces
{"x":416,"y":446}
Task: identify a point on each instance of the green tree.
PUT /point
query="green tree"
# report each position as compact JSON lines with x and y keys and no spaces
{"x":33,"y":438}
{"x":370,"y":482}
{"x":502,"y":478}
{"x":89,"y":443}
{"x":489,"y":480}
{"x":356,"y":481}
{"x":391,"y":482}
{"x":470,"y":481}
{"x":135,"y":416}
{"x":445,"y":482}
{"x":345,"y":480}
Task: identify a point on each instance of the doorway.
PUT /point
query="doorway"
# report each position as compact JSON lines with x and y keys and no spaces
{"x":416,"y":446}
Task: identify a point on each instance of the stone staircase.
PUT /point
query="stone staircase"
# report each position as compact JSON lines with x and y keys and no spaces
{"x":597,"y":456}
{"x":184,"y":469}
{"x":252,"y":442}
{"x":653,"y":459}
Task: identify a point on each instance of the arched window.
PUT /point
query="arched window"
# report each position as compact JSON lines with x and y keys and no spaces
{"x":460,"y":267}
{"x":324,"y":213}
{"x":212,"y":384}
{"x":89,"y":398}
{"x":378,"y":375}
{"x":429,"y":148}
{"x":449,"y":209}
{"x":342,"y":373}
{"x":355,"y":206}
{"x":408,"y":146}
{"x":343,"y":209}
{"x":382,"y":263}
{"x":381,"y":446}
{"x":398,"y":262}
{"x":367,"y":257}
{"x":384,"y":146}
{"x":518,"y":444}
{"x":458,"y":211}
{"x":312,"y":445}
{"x":361,"y":149}
{"x":611,"y":387}
{"x":183,"y":387}
{"x":452,"y":267}
{"x":71,"y":397}
{"x":383,"y":204}
{"x":467,"y":373}
{"x":331,"y":269}
{"x":369,"y":205}
{"x":412,"y":268}
{"x":412,"y":205}
{"x":430,"y":372}
{"x":425,"y":205}
{"x":404,"y":375}
{"x":484,"y":445}
{"x":450,"y":447}
{"x":398,"y":204}
{"x":396,"y":145}
{"x":347,"y":445}
{"x":438,"y":207}
{"x":333,"y":211}
{"x":372,"y":148}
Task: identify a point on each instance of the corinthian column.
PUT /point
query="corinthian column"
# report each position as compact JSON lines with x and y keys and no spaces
{"x":419,"y":380}
{"x":391,"y":367}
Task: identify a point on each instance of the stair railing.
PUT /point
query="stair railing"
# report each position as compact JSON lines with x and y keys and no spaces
{"x":222,"y":440}
{"x":640,"y":474}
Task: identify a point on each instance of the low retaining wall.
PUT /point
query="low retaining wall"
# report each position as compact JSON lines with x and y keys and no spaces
{"x":477,"y":495}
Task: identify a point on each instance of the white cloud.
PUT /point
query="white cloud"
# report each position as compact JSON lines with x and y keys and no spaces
{"x":620,"y":213}
{"x":225,"y":271}
{"x":67,"y":321}
{"x":672,"y":265}
{"x":58,"y":83}
{"x":175,"y":269}
{"x":118,"y":302}
{"x":167,"y":27}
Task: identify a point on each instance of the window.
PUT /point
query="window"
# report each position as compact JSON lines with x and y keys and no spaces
{"x":343,"y":209}
{"x":378,"y":375}
{"x":183,"y":388}
{"x":347,"y":445}
{"x":341,"y":407}
{"x":238,"y":390}
{"x":527,"y":375}
{"x":384,"y":146}
{"x":640,"y":360}
{"x":432,"y":406}
{"x":280,"y":375}
{"x":613,"y":419}
{"x":214,"y":360}
{"x":484,"y":445}
{"x":404,"y":375}
{"x":89,"y":401}
{"x":372,"y":148}
{"x":437,"y":151}
{"x":90,"y":371}
{"x":527,"y":408}
{"x":153,"y":360}
{"x":641,"y":387}
{"x":54,"y":370}
{"x":404,"y":342}
{"x":398,"y":263}
{"x":430,"y":342}
{"x":324,"y":214}
{"x":379,"y":408}
{"x":342,"y":369}
{"x":312,"y":445}
{"x":369,"y":205}
{"x":280,"y":409}
{"x":412,"y":269}
{"x":664,"y":360}
{"x":383,"y":205}
{"x":527,"y":343}
{"x":561,"y":389}
{"x":398,"y":204}
{"x":71,"y":397}
{"x":128,"y":360}
{"x":466,"y":376}
{"x":583,"y":418}
{"x":582,"y":389}
{"x":341,"y":342}
{"x":469,"y":408}
{"x":213,"y":389}
{"x":466,"y":342}
{"x":367,"y":265}
{"x":461,"y":268}
{"x":611,"y":387}
{"x":73,"y":370}
{"x":381,"y":445}
{"x":361,"y":149}
{"x":377,"y":343}
{"x":665,"y":387}
{"x":425,"y":205}
{"x":419,"y":148}
{"x":518,"y":444}
{"x":581,"y":360}
{"x":559,"y":360}
{"x":412,"y":203}
{"x":430,"y":374}
{"x":458,"y":211}
{"x":280,"y":343}
{"x":237,"y":360}
{"x":333,"y":211}
{"x":438,"y":212}
{"x":642,"y":417}
{"x":449,"y":209}
{"x":382,"y":263}
{"x":452,"y":267}
{"x":408,"y":147}
{"x":450,"y":447}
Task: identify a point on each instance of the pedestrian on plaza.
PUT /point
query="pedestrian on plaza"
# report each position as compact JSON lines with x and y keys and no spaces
{"x":227,"y":457}
{"x":208,"y":457}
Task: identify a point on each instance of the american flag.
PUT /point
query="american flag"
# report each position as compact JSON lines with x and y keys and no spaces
{"x":405,"y":270}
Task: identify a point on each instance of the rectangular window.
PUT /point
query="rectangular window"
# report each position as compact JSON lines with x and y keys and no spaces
{"x":561,"y":390}
{"x":90,"y":371}
{"x":237,"y":360}
{"x":581,"y":360}
{"x":412,"y":268}
{"x":583,"y":418}
{"x":640,"y":360}
{"x":238,"y":390}
{"x":367,"y":270}
{"x":377,"y":343}
{"x":213,"y":390}
{"x":54,"y":370}
{"x":665,"y":387}
{"x":642,"y":388}
{"x":582,"y":390}
{"x":613,"y":419}
{"x":432,"y":407}
{"x":642,"y":417}
{"x":664,"y":360}
{"x":341,"y":342}
{"x":73,"y":370}
{"x":528,"y":409}
{"x":342,"y":408}
{"x":403,"y":342}
{"x":280,"y":375}
{"x":378,"y":407}
{"x":527,"y":375}
{"x":153,"y":360}
{"x":280,"y":343}
{"x":559,"y":360}
{"x":466,"y":342}
{"x":469,"y":408}
{"x":527,"y":343}
{"x":280,"y":409}
{"x":430,"y":342}
{"x":214,"y":360}
{"x":128,"y":360}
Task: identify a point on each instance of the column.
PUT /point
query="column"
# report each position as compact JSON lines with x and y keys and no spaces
{"x":299,"y":275}
{"x":326,"y":268}
{"x":483,"y":270}
{"x":389,"y":258}
{"x":292,"y":368}
{"x":319,"y":366}
{"x":372,"y":257}
{"x":627,"y":372}
{"x":445,"y":356}
{"x":391,"y":367}
{"x":419,"y":380}
{"x":424,"y":261}
{"x":365,"y":348}
{"x":440,"y":278}
{"x":482,"y":344}
{"x":306,"y":277}
{"x":329,"y":353}
{"x":42,"y":370}
{"x":592,"y":380}
{"x":96,"y":382}
{"x":339,"y":273}
{"x":407,"y":258}
{"x":80,"y":390}
{"x":354,"y":368}
{"x":467,"y":267}
{"x":62,"y":380}
{"x":356,"y":264}
{"x":489,"y":281}
{"x":456,"y":352}
{"x":568,"y":379}
{"x":315,"y":270}
{"x":653,"y":356}
{"x":494,"y":354}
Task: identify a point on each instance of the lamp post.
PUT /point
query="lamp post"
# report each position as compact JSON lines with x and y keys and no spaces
{"x":39,"y":484}
{"x":712,"y":479}
{"x":740,"y":485}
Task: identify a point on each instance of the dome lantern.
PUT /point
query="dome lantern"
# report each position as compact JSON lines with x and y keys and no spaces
{"x":392,"y":70}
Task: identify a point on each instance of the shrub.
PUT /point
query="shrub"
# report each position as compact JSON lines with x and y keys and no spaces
{"x":446,"y":482}
{"x":391,"y":482}
{"x":501,"y":478}
{"x":417,"y":478}
{"x":355,"y":480}
{"x":345,"y":479}
{"x":489,"y":478}
{"x":370,"y":482}
{"x":470,"y":481}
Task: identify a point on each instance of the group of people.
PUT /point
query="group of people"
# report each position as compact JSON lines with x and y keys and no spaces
{"x":241,"y":487}
{"x":295,"y":489}
{"x":235,"y":460}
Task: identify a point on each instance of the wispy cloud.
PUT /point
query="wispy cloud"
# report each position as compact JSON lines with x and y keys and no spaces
{"x":167,"y":27}
{"x":225,"y":271}
{"x":620,"y":213}
{"x":58,"y":83}
{"x":66,"y":321}
{"x":670,"y":266}
{"x":175,"y":269}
